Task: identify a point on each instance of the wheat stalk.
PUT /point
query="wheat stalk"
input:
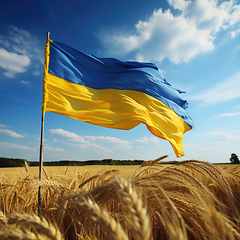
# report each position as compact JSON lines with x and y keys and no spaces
{"x":220,"y":226}
{"x":57,"y":186}
{"x":134,"y":204}
{"x":13,"y":233}
{"x":26,"y":166}
{"x":45,"y":172}
{"x":3,"y":218}
{"x":36,"y":222}
{"x":65,"y":172}
{"x":153,"y":162}
{"x":113,"y":229}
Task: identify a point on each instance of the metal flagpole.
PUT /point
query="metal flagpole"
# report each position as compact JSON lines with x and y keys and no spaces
{"x":41,"y":160}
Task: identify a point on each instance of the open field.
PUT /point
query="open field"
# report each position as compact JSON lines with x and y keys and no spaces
{"x":17,"y":172}
{"x":189,"y":200}
{"x":33,"y":171}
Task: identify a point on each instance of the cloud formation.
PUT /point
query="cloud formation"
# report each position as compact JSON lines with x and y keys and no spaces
{"x":229,"y":114}
{"x":25,"y":82}
{"x":12,"y":145}
{"x":225,"y":136}
{"x":53,"y":149}
{"x":107,"y":139}
{"x":18,"y":51}
{"x":13,"y":62}
{"x":222,"y":92}
{"x":178,"y":37}
{"x":11,"y":133}
{"x":73,"y":139}
{"x":69,"y":136}
{"x":152,"y":140}
{"x":234,"y":33}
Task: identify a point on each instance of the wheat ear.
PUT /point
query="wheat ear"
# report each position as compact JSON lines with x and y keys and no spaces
{"x":113,"y":229}
{"x":34,"y":221}
{"x":26,"y":166}
{"x":153,"y":162}
{"x":45,"y":173}
{"x":12,"y":233}
{"x":134,"y":204}
{"x":3,"y":218}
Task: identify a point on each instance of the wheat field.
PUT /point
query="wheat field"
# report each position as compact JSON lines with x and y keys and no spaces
{"x":188,"y":200}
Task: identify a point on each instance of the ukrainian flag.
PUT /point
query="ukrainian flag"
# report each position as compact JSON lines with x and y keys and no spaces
{"x":114,"y":94}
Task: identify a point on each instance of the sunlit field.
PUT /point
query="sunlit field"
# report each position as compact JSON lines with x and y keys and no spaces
{"x":33,"y":171}
{"x":189,"y":200}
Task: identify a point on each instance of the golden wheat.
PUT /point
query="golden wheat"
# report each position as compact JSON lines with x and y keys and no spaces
{"x":40,"y":224}
{"x":113,"y":229}
{"x":134,"y":205}
{"x":3,"y":218}
{"x":188,"y":200}
{"x":13,"y":233}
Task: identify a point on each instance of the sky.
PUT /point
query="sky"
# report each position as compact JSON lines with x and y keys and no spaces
{"x":194,"y":43}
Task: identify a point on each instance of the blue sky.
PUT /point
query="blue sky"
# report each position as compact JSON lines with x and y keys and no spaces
{"x":195,"y":44}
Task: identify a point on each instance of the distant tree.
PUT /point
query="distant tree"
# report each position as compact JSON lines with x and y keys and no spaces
{"x":11,"y":162}
{"x":234,"y":158}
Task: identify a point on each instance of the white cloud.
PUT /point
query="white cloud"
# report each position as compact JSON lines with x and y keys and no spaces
{"x":53,"y":149}
{"x":208,"y":14}
{"x":92,"y":146}
{"x":73,"y":139}
{"x":224,"y":143}
{"x":234,"y":33}
{"x":123,"y":147}
{"x":25,"y":82}
{"x":19,"y":50}
{"x":177,"y":37}
{"x":12,"y":62}
{"x":107,"y":139}
{"x":118,"y":143}
{"x":228,"y":114}
{"x":222,"y":92}
{"x":235,"y":17}
{"x":226,"y":136}
{"x":145,"y":140}
{"x":36,"y":73}
{"x":11,"y":133}
{"x":68,"y":135}
{"x":12,"y":145}
{"x":1,"y":125}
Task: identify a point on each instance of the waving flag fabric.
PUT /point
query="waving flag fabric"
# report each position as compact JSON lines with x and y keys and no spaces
{"x":114,"y":94}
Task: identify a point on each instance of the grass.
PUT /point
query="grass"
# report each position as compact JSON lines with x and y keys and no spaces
{"x":189,"y":200}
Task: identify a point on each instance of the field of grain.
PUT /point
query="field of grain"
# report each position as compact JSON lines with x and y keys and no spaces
{"x":189,"y":200}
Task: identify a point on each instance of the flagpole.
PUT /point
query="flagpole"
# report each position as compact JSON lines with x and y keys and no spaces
{"x":40,"y":169}
{"x":41,"y":159}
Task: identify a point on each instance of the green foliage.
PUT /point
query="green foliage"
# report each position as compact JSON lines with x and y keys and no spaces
{"x":11,"y":162}
{"x":90,"y":162}
{"x":234,"y":159}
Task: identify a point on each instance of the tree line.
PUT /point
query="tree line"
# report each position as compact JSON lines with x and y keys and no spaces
{"x":17,"y":162}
